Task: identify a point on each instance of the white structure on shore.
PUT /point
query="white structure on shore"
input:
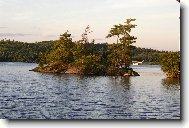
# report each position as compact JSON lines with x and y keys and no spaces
{"x":137,"y":62}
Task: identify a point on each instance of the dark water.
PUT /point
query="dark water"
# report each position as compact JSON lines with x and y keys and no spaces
{"x":30,"y":95}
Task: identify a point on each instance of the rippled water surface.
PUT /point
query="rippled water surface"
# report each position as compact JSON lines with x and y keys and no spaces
{"x":31,"y":95}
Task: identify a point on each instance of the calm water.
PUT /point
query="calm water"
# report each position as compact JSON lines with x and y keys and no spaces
{"x":30,"y":95}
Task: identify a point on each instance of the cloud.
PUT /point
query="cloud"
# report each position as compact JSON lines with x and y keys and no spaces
{"x":49,"y":36}
{"x":120,"y":4}
{"x":13,"y":34}
{"x":3,"y":27}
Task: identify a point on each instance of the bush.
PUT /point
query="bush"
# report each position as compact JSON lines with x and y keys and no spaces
{"x":170,"y":63}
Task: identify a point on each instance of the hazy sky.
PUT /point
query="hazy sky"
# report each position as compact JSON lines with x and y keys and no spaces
{"x":37,"y":20}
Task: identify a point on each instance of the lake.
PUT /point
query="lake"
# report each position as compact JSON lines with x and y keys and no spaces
{"x":30,"y":95}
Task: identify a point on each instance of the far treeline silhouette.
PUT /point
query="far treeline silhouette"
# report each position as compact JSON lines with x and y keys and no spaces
{"x":84,"y":57}
{"x":15,"y":51}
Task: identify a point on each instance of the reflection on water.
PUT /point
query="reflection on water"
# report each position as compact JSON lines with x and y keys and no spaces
{"x":125,"y":82}
{"x":121,"y":81}
{"x":171,"y":83}
{"x":31,"y":95}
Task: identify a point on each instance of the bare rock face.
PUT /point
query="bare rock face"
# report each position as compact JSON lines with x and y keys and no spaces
{"x":77,"y":70}
{"x":73,"y":71}
{"x":133,"y":73}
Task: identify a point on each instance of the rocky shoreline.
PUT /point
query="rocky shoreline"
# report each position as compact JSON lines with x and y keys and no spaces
{"x":74,"y":70}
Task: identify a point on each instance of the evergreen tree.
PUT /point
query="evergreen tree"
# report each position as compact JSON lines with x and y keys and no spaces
{"x":121,"y":52}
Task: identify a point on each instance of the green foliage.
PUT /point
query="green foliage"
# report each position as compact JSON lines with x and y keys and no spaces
{"x":62,"y":50}
{"x":120,"y":53}
{"x":90,"y":65}
{"x":170,"y":62}
{"x":150,"y":56}
{"x":84,"y":36}
{"x":60,"y":56}
{"x":14,"y":51}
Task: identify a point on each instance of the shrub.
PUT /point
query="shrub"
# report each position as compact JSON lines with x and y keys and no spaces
{"x":170,"y":63}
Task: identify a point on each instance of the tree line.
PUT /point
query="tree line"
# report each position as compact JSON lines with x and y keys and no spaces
{"x":84,"y":57}
{"x":16,"y":51}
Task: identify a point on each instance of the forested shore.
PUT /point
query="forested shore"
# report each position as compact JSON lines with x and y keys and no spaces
{"x":17,"y":51}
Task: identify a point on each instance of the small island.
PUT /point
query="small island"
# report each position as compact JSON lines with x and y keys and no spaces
{"x":90,"y":58}
{"x":86,"y":58}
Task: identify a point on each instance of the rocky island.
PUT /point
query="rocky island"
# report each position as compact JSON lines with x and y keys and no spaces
{"x":88,"y":58}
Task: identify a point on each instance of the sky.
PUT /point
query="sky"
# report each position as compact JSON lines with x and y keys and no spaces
{"x":158,"y":23}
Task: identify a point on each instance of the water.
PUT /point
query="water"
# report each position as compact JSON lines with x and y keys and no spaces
{"x":31,"y":95}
